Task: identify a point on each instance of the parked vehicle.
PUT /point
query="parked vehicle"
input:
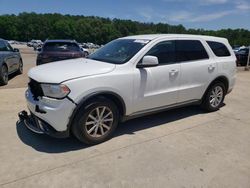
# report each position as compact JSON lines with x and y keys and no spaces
{"x":57,"y":50}
{"x":37,"y":46}
{"x":33,"y":43}
{"x":242,"y":56}
{"x":10,"y":61}
{"x":236,"y":48}
{"x":85,"y":50}
{"x":127,"y":78}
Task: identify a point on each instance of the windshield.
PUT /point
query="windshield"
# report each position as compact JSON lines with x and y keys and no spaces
{"x":118,"y":51}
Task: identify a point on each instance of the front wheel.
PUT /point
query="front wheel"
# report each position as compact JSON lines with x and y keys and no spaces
{"x":86,"y":54}
{"x":4,"y":75}
{"x":214,"y":97}
{"x":96,"y":121}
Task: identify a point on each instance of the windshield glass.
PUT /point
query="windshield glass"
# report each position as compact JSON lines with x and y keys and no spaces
{"x":118,"y":51}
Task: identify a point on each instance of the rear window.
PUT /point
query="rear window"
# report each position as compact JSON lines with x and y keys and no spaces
{"x":189,"y":50}
{"x":61,"y":46}
{"x":219,"y":49}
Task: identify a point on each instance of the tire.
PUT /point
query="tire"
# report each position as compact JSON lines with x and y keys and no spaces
{"x":214,"y":97}
{"x":4,"y":75}
{"x":90,"y":129}
{"x":86,"y":54}
{"x":20,"y":69}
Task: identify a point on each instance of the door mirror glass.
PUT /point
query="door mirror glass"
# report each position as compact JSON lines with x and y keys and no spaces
{"x":148,"y":61}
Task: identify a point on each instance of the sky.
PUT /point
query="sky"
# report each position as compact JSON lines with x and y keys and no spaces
{"x":206,"y":14}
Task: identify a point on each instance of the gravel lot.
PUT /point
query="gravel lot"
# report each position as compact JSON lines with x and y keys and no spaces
{"x":177,"y":148}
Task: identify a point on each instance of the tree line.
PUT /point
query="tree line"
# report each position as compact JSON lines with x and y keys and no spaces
{"x":27,"y":26}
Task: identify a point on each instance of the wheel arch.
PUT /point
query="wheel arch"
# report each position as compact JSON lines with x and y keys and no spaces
{"x":222,"y":79}
{"x":5,"y":64}
{"x":117,"y":99}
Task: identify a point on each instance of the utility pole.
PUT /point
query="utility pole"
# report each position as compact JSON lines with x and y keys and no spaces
{"x":248,"y":59}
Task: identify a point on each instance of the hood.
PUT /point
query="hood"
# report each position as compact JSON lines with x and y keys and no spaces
{"x":60,"y":71}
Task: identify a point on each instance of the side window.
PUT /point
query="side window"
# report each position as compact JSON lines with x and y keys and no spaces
{"x":219,"y":49}
{"x":164,"y":51}
{"x":3,"y":46}
{"x":9,"y":48}
{"x":188,"y":50}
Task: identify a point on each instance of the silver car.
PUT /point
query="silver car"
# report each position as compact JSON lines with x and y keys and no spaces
{"x":10,"y":61}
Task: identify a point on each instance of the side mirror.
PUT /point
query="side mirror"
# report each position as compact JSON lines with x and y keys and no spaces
{"x":15,"y":50}
{"x":148,"y":61}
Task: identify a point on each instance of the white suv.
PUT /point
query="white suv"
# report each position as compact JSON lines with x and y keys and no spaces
{"x":127,"y":78}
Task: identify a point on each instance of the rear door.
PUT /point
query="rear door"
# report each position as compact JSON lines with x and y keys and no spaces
{"x":197,"y":69}
{"x":15,"y":58}
{"x":6,"y":55}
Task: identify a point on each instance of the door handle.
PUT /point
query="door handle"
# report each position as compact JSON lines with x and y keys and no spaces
{"x":173,"y":72}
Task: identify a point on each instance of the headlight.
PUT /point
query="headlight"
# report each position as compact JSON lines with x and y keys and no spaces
{"x":57,"y":91}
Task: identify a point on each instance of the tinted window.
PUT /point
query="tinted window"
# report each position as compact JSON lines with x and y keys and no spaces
{"x":61,"y":46}
{"x":118,"y":51}
{"x":9,"y":48}
{"x":164,"y":51}
{"x":188,"y":50}
{"x":219,"y":49}
{"x":3,"y":46}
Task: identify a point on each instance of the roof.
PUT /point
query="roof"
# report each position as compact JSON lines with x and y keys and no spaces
{"x":157,"y":36}
{"x":60,"y":40}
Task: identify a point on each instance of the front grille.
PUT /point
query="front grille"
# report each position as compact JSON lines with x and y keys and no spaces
{"x":36,"y":89}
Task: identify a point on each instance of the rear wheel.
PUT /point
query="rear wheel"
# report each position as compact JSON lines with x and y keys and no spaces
{"x":20,"y":69}
{"x":4,"y":75}
{"x":96,"y":121}
{"x":214,"y":97}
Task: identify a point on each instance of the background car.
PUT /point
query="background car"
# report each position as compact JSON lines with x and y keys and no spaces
{"x":34,"y":43}
{"x":10,"y":61}
{"x":56,"y":50}
{"x":242,"y":56}
{"x":85,"y":50}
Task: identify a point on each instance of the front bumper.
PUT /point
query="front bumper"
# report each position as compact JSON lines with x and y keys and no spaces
{"x":39,"y":126}
{"x":50,"y":113}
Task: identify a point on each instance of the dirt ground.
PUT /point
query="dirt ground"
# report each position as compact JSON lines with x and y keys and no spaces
{"x":178,"y":148}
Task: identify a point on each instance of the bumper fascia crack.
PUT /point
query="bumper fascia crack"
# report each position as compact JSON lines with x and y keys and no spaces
{"x":39,"y":126}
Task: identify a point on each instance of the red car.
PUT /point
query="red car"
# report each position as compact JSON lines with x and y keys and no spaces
{"x":57,"y":50}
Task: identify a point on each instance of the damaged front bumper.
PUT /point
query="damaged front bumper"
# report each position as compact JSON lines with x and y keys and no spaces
{"x":39,"y":126}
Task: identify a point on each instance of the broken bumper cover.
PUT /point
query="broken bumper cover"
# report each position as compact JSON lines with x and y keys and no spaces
{"x":39,"y":126}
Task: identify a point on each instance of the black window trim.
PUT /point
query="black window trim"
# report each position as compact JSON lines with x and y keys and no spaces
{"x":230,"y":54}
{"x":179,"y":62}
{"x":205,"y":48}
{"x":162,"y":64}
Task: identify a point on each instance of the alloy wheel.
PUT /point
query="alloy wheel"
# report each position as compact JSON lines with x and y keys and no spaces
{"x":21,"y":67}
{"x":216,"y":96}
{"x":99,"y":121}
{"x":5,"y":74}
